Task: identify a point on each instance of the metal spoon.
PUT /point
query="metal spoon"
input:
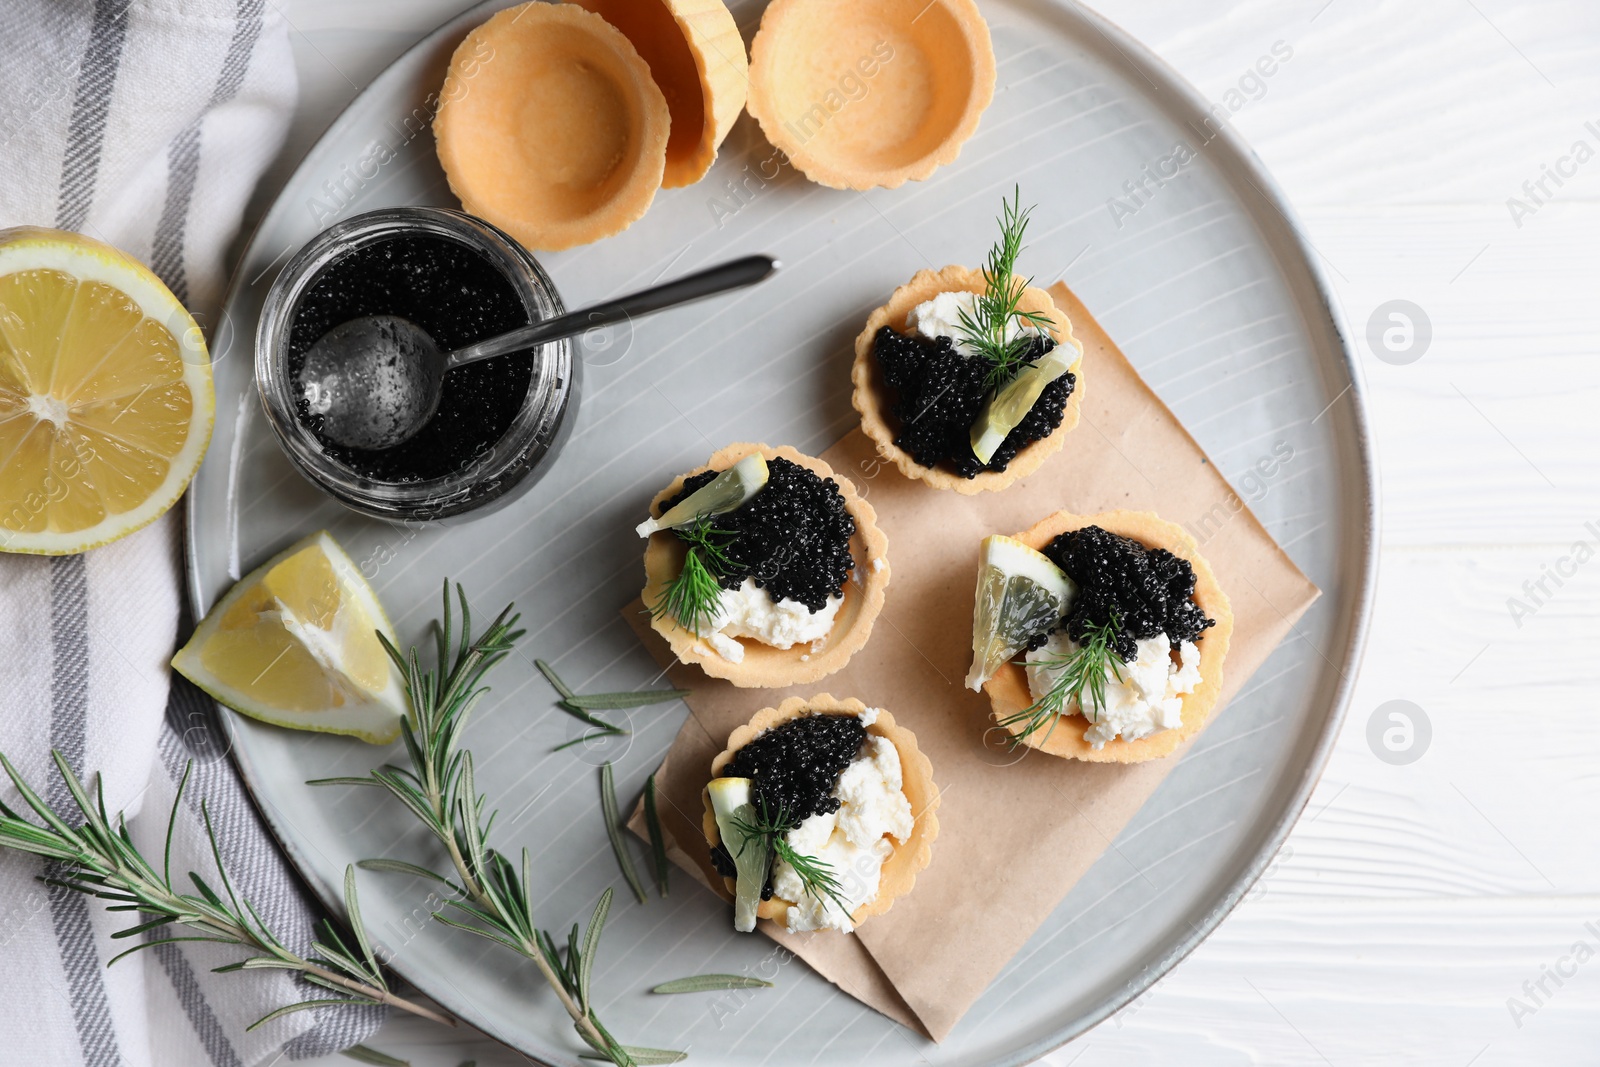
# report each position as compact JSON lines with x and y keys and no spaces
{"x":376,"y":380}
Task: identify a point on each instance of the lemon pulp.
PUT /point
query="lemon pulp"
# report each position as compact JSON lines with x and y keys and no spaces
{"x":105,"y":394}
{"x":1020,"y":594}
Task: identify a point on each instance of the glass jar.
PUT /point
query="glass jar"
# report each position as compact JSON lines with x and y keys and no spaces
{"x":501,"y":469}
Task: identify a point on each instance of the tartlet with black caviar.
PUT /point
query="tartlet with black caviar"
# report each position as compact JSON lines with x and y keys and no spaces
{"x":764,"y":567}
{"x":819,"y":814}
{"x":1099,"y":638}
{"x":969,"y":379}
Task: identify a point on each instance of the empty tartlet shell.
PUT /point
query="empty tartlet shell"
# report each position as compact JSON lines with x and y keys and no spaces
{"x":1008,"y":689}
{"x":594,"y":161}
{"x":697,"y":58}
{"x":871,"y":395}
{"x":900,"y":870}
{"x":763,"y":666}
{"x":849,"y":118}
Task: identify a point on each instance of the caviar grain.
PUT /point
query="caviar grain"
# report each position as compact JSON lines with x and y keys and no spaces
{"x":1148,"y":591}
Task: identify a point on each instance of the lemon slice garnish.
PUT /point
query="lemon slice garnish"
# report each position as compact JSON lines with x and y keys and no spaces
{"x":295,"y":644}
{"x":1021,"y":594}
{"x":105,"y":393}
{"x":731,"y":804}
{"x":1011,"y":404}
{"x":731,"y":489}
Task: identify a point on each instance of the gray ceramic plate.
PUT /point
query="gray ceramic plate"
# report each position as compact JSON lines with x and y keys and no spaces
{"x":1204,"y":280}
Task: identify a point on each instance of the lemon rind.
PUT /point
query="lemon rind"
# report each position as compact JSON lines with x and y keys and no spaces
{"x":35,"y":248}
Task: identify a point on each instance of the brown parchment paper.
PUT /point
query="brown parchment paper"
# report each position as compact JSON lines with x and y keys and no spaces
{"x":1031,"y":823}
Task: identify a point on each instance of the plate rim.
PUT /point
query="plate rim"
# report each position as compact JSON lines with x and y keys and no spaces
{"x":1181,"y":96}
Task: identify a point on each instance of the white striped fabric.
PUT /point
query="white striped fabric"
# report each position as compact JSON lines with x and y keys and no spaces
{"x":145,"y":123}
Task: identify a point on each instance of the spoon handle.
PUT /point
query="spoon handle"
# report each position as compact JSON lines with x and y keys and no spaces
{"x":735,"y":274}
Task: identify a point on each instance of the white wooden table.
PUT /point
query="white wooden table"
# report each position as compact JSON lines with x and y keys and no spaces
{"x":1432,"y":911}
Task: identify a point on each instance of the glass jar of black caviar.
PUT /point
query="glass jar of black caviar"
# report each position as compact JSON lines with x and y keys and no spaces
{"x":499,"y":422}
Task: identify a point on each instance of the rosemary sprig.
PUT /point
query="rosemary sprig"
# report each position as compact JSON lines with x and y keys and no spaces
{"x":99,"y":859}
{"x":996,"y":307}
{"x":491,"y":893}
{"x":691,"y":597}
{"x":1085,"y":668}
{"x":816,"y":875}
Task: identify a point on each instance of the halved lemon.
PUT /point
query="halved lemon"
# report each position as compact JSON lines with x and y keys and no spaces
{"x":105,"y":393}
{"x":295,"y":644}
{"x":1021,"y":594}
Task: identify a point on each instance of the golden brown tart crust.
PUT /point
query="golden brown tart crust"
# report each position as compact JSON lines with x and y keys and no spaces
{"x":860,"y":94}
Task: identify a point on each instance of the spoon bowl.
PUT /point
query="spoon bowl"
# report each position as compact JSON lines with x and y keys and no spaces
{"x":373,"y":381}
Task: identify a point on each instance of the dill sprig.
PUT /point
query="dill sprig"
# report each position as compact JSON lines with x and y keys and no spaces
{"x":816,"y":875}
{"x":492,"y":894}
{"x":996,"y":307}
{"x":692,"y":597}
{"x":1085,"y":668}
{"x":99,"y":859}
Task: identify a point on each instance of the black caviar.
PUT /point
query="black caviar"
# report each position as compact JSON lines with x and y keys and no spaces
{"x":793,"y":537}
{"x":458,"y":297}
{"x":793,"y":769}
{"x":939,"y":394}
{"x":1149,"y":590}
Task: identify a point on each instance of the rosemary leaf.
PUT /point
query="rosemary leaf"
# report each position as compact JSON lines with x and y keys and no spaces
{"x":304,"y":1005}
{"x":634,"y":699}
{"x":591,"y":945}
{"x":658,"y":840}
{"x":363,"y":1054}
{"x":703,"y":983}
{"x":589,"y":737}
{"x":554,"y":679}
{"x":583,"y":716}
{"x":401,"y":867}
{"x":608,"y":808}
{"x":644,"y":1057}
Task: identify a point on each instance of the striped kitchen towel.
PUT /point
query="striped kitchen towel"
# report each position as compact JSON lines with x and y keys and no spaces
{"x":146,"y":124}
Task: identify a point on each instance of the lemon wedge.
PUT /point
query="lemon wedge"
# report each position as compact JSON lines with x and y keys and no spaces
{"x":105,"y":393}
{"x":729,"y":490}
{"x":732,"y":805}
{"x":1011,"y":404}
{"x":295,"y":644}
{"x":1021,"y":594}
